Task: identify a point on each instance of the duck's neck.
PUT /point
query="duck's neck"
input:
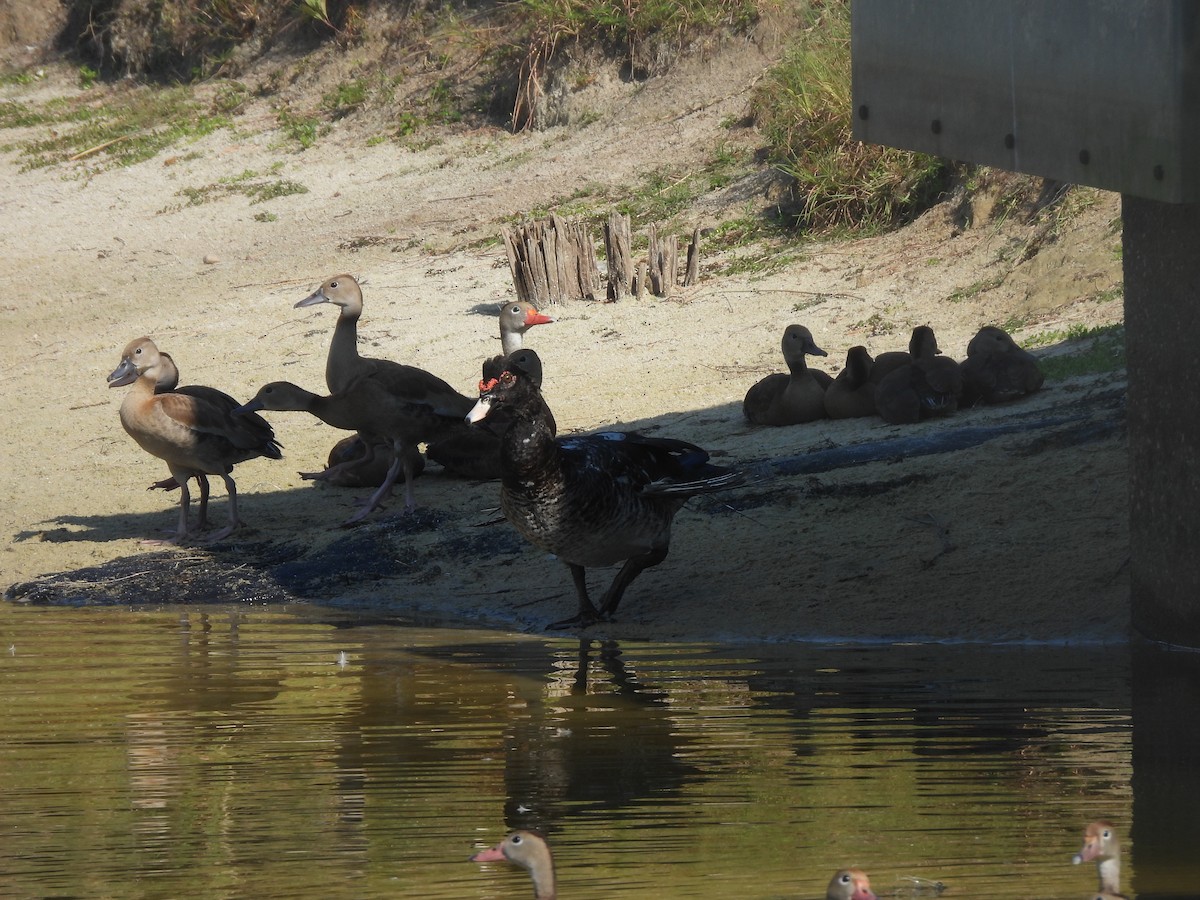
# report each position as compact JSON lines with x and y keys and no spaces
{"x":341,"y":365}
{"x":528,"y":448}
{"x":511,"y":341}
{"x":1110,"y":874}
{"x":542,"y":872}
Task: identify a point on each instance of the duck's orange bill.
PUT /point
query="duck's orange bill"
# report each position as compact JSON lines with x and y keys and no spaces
{"x":491,"y":854}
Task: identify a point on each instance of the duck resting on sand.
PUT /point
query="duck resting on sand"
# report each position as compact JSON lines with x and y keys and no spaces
{"x":997,"y":370}
{"x":591,"y":500}
{"x":794,"y":398}
{"x":530,"y":851}
{"x":196,"y":434}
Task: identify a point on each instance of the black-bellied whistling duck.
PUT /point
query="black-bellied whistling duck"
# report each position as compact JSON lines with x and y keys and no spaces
{"x":530,"y":851}
{"x":996,"y":370}
{"x":852,"y":393}
{"x":516,"y":318}
{"x":796,"y":397}
{"x":378,"y":411}
{"x":922,"y":344}
{"x":1101,"y":846}
{"x":195,"y":434}
{"x":850,"y":884}
{"x":923,"y":388}
{"x":592,"y":500}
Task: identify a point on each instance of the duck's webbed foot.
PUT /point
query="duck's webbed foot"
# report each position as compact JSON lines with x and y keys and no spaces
{"x":588,"y":614}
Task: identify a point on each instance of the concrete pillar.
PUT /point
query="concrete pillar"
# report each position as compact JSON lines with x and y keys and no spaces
{"x":1162,"y":334}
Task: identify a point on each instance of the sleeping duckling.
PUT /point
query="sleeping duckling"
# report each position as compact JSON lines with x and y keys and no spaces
{"x":923,"y":388}
{"x":852,"y":393}
{"x":996,"y":370}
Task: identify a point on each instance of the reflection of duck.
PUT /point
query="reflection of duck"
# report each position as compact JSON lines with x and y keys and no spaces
{"x":923,"y":388}
{"x":922,"y":344}
{"x":592,"y":500}
{"x":852,"y":393}
{"x":195,"y":434}
{"x":1101,"y":845}
{"x":997,"y":370}
{"x":850,"y":884}
{"x":796,"y":397}
{"x":529,"y":851}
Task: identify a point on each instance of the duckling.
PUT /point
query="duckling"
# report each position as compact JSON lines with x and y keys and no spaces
{"x":196,"y":433}
{"x":1101,"y":845}
{"x":852,"y":393}
{"x":997,"y":370}
{"x":379,"y":411}
{"x":530,"y":851}
{"x":793,"y":398}
{"x":923,"y":388}
{"x":922,"y":344}
{"x":850,"y":884}
{"x":592,"y":500}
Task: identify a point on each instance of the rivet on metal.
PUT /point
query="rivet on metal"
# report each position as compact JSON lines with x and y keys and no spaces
{"x":1084,"y":156}
{"x":1010,"y":141}
{"x":936,"y":126}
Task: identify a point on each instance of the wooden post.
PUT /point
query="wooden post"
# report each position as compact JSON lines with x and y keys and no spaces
{"x":617,"y":246}
{"x":552,"y":262}
{"x":693,"y":260}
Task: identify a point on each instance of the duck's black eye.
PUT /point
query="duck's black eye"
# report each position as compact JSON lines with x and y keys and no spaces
{"x":333,"y":284}
{"x":515,"y":309}
{"x":1105,"y":834}
{"x":516,"y":839}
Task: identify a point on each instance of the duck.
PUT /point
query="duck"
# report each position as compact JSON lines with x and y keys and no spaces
{"x":595,"y":499}
{"x":852,"y":393}
{"x":1101,"y":845}
{"x":379,"y":411}
{"x":922,"y":344}
{"x":918,"y":390}
{"x":529,"y":850}
{"x":996,"y":370}
{"x":475,"y":453}
{"x":195,"y":432}
{"x":516,"y":318}
{"x":850,"y":884}
{"x":352,"y":462}
{"x":796,"y":397}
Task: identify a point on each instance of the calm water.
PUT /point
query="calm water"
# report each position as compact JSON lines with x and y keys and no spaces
{"x":244,"y":753}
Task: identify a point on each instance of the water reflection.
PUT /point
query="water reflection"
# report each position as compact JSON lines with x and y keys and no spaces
{"x":238,"y":752}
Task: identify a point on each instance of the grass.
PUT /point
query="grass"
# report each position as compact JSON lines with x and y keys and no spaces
{"x":1098,"y":350}
{"x":257,"y":186}
{"x":803,"y":108}
{"x":120,"y":132}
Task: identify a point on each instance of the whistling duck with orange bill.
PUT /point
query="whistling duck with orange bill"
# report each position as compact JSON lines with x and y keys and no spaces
{"x":996,"y":370}
{"x":530,"y":851}
{"x":193,"y":431}
{"x":591,"y":500}
{"x":1101,"y":846}
{"x":476,"y":453}
{"x":852,"y":393}
{"x":850,"y":884}
{"x":796,"y":397}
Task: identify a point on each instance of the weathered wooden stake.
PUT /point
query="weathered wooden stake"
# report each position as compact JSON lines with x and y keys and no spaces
{"x":693,"y":260}
{"x":617,"y":245}
{"x":552,"y":262}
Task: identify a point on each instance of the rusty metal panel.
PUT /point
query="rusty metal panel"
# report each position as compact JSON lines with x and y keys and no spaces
{"x":1097,"y":92}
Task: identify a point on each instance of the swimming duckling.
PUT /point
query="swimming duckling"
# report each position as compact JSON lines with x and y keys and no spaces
{"x":1101,"y":845}
{"x":850,"y":884}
